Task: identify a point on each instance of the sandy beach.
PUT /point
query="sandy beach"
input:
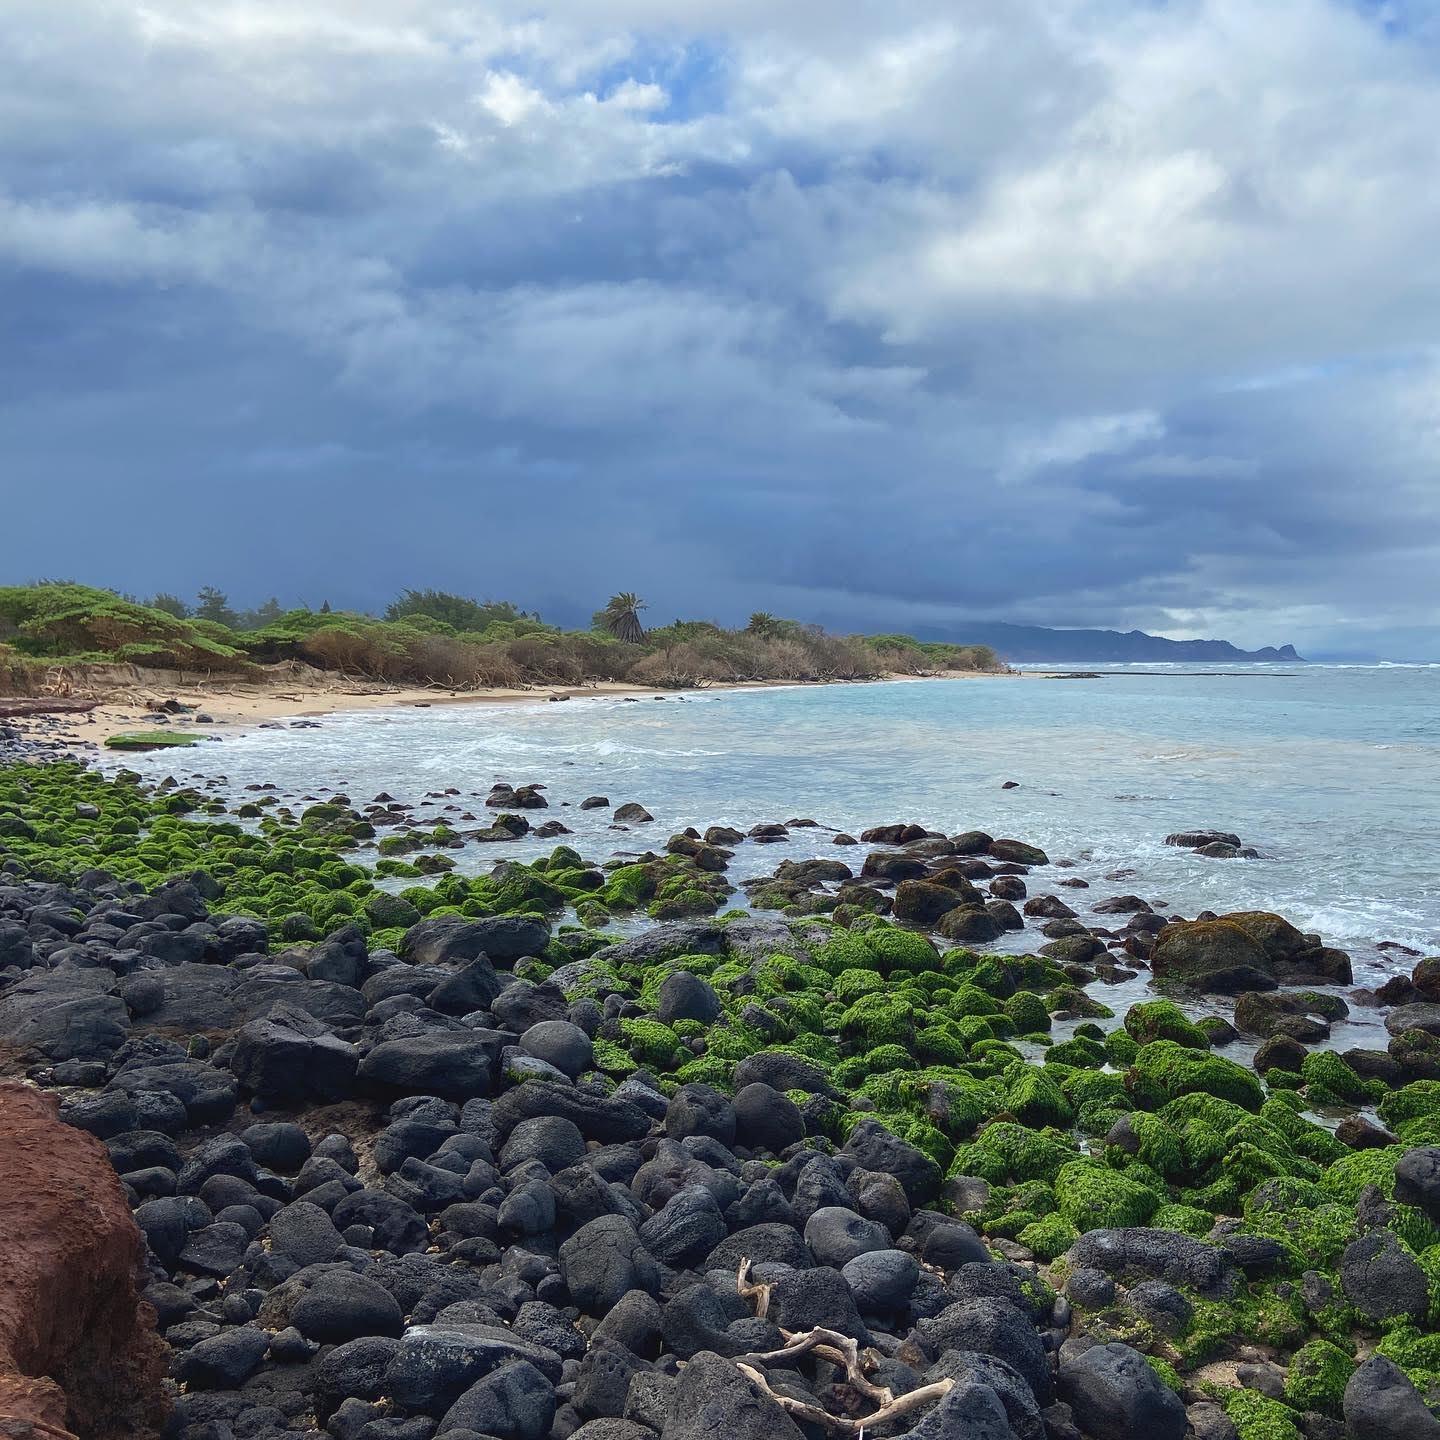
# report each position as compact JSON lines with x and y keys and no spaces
{"x":238,"y":706}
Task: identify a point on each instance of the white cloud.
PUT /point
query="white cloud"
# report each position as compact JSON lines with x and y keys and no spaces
{"x":1167,"y":272}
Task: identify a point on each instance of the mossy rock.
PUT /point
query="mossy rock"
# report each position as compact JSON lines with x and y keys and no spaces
{"x":1164,"y":1070}
{"x":390,"y":911}
{"x":1092,"y":1196}
{"x":1257,"y":1417}
{"x":151,"y":740}
{"x":1317,"y":1376}
{"x":1005,"y":1152}
{"x":1049,"y":1238}
{"x":1164,"y":1020}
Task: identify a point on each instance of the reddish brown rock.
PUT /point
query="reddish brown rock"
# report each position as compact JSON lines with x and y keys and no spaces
{"x":78,"y":1350}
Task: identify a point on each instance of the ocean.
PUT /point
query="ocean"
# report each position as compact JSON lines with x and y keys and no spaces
{"x":1332,"y":772}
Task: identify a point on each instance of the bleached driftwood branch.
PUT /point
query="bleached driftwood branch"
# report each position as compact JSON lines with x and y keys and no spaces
{"x":838,"y":1349}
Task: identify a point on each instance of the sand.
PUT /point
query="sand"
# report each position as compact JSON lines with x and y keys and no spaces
{"x":238,"y":706}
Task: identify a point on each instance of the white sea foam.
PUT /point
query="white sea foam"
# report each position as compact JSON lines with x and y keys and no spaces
{"x":1331,"y":771}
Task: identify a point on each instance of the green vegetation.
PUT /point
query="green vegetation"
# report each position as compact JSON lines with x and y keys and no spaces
{"x":1147,"y":1129}
{"x":433,"y":637}
{"x":151,"y":740}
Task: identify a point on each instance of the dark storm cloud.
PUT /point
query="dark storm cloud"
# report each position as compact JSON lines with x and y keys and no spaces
{"x":1094,"y":313}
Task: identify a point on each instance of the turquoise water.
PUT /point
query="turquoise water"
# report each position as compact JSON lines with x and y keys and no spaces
{"x":1332,"y":772}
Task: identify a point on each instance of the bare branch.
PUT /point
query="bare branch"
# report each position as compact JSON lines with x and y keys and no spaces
{"x":839,"y":1349}
{"x":759,"y":1293}
{"x":841,"y":1424}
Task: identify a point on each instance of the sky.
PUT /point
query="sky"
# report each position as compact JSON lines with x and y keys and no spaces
{"x":1070,"y":312}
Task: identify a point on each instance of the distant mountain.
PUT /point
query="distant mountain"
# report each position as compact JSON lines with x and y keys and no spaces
{"x":1024,"y":644}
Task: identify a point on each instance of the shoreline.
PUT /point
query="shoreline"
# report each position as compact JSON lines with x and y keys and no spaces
{"x":238,"y":708}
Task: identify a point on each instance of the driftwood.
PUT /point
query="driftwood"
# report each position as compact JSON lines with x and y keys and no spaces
{"x":839,"y":1350}
{"x":43,"y":705}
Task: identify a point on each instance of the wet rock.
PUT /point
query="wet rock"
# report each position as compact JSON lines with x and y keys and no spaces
{"x":1248,"y":950}
{"x":1299,"y":1016}
{"x":1280,"y":1052}
{"x":1017,"y":852}
{"x":970,"y":925}
{"x":1361,"y":1134}
{"x":1198,"y":839}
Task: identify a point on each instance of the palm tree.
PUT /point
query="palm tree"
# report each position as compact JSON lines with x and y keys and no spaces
{"x":621,"y":617}
{"x":763,"y":624}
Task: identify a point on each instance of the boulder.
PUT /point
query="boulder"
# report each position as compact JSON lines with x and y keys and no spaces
{"x":920,"y":902}
{"x":343,"y":1306}
{"x":1113,"y":1391}
{"x":875,"y":1148}
{"x":1382,"y":1280}
{"x":450,"y":940}
{"x":1417,"y":1180}
{"x":713,"y":1399}
{"x":291,"y":1057}
{"x":77,"y":1346}
{"x":436,"y":1364}
{"x":836,"y":1236}
{"x":453,"y":1064}
{"x":1138,"y":1253}
{"x":971,"y":925}
{"x":1247,"y":950}
{"x":515,"y":1402}
{"x":1381,"y":1404}
{"x":765,"y":1119}
{"x":605,"y":1259}
{"x":64,"y":1015}
{"x":684,"y":996}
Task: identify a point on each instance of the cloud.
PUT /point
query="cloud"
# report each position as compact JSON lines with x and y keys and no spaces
{"x":1091,"y":312}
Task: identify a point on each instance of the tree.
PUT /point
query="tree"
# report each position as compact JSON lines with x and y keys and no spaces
{"x":266,"y":613}
{"x":621,"y":617}
{"x":213,"y":604}
{"x":459,"y":612}
{"x":171,"y":605}
{"x":763,"y":624}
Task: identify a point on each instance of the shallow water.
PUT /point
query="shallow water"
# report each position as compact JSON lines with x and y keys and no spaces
{"x":1333,"y":772}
